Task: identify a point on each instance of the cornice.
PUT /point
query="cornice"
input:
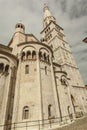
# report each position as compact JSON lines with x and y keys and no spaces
{"x":5,"y":47}
{"x":58,"y":38}
{"x":23,"y":34}
{"x":78,"y":86}
{"x":69,"y":65}
{"x":49,"y":24}
{"x":61,"y":72}
{"x":8,"y":54}
{"x":56,"y":64}
{"x":32,"y":42}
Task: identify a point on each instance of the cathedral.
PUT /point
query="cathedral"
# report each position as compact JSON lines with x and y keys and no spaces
{"x":40,"y":83}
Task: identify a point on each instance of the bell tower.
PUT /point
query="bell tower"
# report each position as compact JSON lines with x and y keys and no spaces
{"x":62,"y":54}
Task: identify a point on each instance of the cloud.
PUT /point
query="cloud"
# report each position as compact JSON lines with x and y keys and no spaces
{"x":74,"y":8}
{"x":69,"y":14}
{"x":78,"y":9}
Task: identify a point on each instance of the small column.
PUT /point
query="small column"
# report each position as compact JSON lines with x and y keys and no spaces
{"x":40,"y":87}
{"x":17,"y":90}
{"x":71,"y":105}
{"x":56,"y":96}
{"x":5,"y":97}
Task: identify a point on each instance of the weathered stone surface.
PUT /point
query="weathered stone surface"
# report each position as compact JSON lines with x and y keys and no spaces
{"x":47,"y":83}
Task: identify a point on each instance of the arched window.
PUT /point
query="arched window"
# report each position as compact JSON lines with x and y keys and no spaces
{"x":63,"y":80}
{"x":49,"y":110}
{"x":1,"y":67}
{"x":46,"y":70}
{"x":28,"y":55}
{"x":73,"y":102}
{"x":40,"y":55}
{"x":48,"y":59}
{"x":45,"y":58}
{"x":23,"y":56}
{"x":27,"y":69}
{"x":25,"y":112}
{"x":34,"y":55}
{"x":6,"y":68}
{"x":18,"y":26}
{"x":21,"y":26}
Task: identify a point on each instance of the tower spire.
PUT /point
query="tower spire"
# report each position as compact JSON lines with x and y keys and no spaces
{"x":47,"y":12}
{"x":48,"y":17}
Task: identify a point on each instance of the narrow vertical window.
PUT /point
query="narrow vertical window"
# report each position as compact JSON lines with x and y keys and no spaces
{"x":49,"y":110}
{"x":33,"y":55}
{"x":46,"y":70}
{"x":26,"y":112}
{"x":23,"y":56}
{"x":6,"y":68}
{"x":29,"y":55}
{"x":40,"y":55}
{"x":45,"y":57}
{"x":27,"y":69}
{"x":1,"y":67}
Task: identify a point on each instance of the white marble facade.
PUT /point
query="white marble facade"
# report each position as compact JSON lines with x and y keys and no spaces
{"x":39,"y":79}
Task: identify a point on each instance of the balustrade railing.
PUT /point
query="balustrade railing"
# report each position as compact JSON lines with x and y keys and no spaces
{"x":41,"y":124}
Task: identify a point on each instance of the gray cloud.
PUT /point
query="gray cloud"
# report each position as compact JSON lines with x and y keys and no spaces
{"x":78,"y":9}
{"x":85,"y":31}
{"x":63,"y":4}
{"x":74,"y":8}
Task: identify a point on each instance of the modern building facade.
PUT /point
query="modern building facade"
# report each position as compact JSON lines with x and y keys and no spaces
{"x":39,"y":78}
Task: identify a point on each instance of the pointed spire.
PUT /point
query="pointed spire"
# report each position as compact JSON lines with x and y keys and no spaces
{"x":47,"y":12}
{"x":48,"y":17}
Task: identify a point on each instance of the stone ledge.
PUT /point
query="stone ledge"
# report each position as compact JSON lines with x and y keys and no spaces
{"x":79,"y":124}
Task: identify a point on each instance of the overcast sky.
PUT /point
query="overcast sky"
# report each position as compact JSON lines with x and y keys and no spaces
{"x":70,"y":15}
